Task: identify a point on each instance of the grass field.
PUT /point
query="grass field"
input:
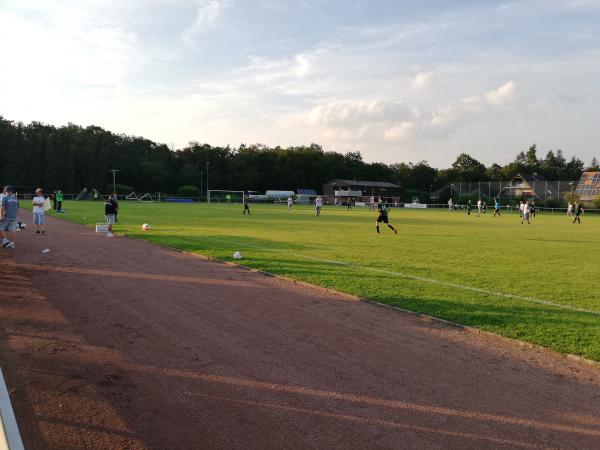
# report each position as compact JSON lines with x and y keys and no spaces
{"x":539,"y":283}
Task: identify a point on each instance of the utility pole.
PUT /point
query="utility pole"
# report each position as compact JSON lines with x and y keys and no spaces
{"x":201,"y":185}
{"x":207,"y":197}
{"x":114,"y":172}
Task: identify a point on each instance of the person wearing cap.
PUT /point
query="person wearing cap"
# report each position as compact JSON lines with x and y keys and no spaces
{"x":38,"y":211}
{"x":8,"y":217}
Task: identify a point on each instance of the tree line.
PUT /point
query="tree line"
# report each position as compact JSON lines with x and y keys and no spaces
{"x":72,"y":157}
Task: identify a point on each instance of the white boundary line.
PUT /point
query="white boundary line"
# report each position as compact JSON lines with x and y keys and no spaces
{"x":10,"y":438}
{"x":423,"y":279}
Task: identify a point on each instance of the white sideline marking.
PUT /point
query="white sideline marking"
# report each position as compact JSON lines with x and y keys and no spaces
{"x":10,"y":438}
{"x":424,"y":279}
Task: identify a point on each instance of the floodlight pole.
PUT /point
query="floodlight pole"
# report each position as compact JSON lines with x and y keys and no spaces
{"x":201,"y":173}
{"x":207,"y":197}
{"x":114,"y":172}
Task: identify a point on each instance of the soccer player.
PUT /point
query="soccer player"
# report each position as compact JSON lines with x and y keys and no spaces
{"x":383,"y":216}
{"x":38,"y":211}
{"x":371,"y":203}
{"x":246,"y":206}
{"x":521,"y":207}
{"x":526,"y":210}
{"x":532,"y":209}
{"x":570,"y":209}
{"x":578,"y":212}
{"x":479,"y":207}
{"x":289,"y":203}
{"x":349,"y":204}
{"x":8,"y":217}
{"x":497,"y":207}
{"x":110,"y":209}
{"x":318,"y":205}
{"x":469,"y":207}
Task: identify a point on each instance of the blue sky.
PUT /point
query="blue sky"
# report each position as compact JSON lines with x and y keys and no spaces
{"x":395,"y":80}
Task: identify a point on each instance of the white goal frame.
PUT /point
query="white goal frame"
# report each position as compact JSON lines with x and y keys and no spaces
{"x":147,"y":197}
{"x":226,"y":191}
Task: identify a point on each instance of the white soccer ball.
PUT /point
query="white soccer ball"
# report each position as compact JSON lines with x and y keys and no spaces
{"x":146,"y":227}
{"x":237,"y":255}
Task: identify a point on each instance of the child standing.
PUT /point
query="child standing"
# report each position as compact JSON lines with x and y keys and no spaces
{"x":38,"y":211}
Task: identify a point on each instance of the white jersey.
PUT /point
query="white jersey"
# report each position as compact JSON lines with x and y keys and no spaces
{"x":521,"y":207}
{"x":40,"y":201}
{"x":526,"y":208}
{"x":478,"y":204}
{"x":290,"y":201}
{"x":319,"y":202}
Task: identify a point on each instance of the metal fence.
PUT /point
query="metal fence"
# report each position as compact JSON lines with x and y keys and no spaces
{"x":511,"y":192}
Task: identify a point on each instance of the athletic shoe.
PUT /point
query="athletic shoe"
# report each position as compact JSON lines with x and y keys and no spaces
{"x":10,"y":245}
{"x":5,"y":242}
{"x":109,"y":234}
{"x":44,"y":232}
{"x":395,"y":231}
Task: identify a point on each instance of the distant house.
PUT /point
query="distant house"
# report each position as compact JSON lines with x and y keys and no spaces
{"x":525,"y":185}
{"x":588,"y":187}
{"x":341,"y":191}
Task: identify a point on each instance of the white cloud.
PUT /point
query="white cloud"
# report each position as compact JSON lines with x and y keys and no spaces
{"x":347,"y":114}
{"x":403,"y":130}
{"x":422,"y":80}
{"x":502,"y":95}
{"x":207,"y":17}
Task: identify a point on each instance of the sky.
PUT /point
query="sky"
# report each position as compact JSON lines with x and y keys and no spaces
{"x":397,"y":80}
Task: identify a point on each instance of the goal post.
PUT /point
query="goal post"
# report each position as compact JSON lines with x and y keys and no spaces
{"x":225,"y":196}
{"x":147,"y":197}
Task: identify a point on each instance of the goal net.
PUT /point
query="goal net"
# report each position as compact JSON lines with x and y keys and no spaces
{"x":146,"y":197}
{"x":222,"y":196}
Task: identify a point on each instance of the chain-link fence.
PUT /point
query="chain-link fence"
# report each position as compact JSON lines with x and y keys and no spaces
{"x":551,"y":193}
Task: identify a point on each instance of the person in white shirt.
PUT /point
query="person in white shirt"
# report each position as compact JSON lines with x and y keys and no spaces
{"x":371,"y":203}
{"x":38,"y":211}
{"x":450,"y":205}
{"x":290,"y":202}
{"x":570,"y":209}
{"x":479,"y":206}
{"x":318,"y":204}
{"x":521,"y":207}
{"x":526,"y":211}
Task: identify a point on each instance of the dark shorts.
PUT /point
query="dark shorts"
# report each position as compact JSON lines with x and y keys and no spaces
{"x":496,"y":210}
{"x":382,"y":218}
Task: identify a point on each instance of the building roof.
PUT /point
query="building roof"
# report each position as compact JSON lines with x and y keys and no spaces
{"x":530,"y":177}
{"x":301,"y":191}
{"x":364,"y":183}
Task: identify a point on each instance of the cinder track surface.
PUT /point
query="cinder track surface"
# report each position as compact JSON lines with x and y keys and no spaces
{"x":118,"y":343}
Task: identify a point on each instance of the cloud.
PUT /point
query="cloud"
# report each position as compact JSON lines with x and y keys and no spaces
{"x":422,"y":80}
{"x":403,"y":130}
{"x":349,"y":113}
{"x":208,"y":14}
{"x":502,"y":95}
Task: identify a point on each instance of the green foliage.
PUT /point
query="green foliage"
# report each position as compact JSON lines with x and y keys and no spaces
{"x":121,"y":189}
{"x":424,"y":268}
{"x":596,"y":203}
{"x":551,"y":202}
{"x":409,"y":194}
{"x":571,"y":197}
{"x":73,"y":157}
{"x":188,"y":191}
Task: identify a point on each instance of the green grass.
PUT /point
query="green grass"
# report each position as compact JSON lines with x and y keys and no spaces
{"x":551,"y":260}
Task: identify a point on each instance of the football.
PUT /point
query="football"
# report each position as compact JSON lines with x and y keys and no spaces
{"x":237,"y":255}
{"x":146,"y":227}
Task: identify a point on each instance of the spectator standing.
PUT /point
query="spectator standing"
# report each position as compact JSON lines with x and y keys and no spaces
{"x":38,"y":211}
{"x":8,"y":217}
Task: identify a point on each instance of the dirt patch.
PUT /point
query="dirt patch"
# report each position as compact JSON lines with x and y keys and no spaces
{"x":118,"y":343}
